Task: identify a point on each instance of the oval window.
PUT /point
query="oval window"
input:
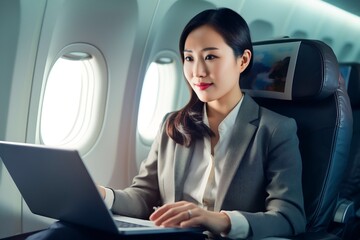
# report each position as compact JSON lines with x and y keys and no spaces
{"x":157,"y":96}
{"x":73,"y":101}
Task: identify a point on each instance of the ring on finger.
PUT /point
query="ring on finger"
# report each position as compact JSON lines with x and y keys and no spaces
{"x":189,"y":213}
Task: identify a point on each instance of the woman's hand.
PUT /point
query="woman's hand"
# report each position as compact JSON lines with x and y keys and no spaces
{"x":186,"y":214}
{"x":102,"y":191}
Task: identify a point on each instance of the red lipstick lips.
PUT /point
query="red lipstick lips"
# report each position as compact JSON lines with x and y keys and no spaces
{"x":203,"y":86}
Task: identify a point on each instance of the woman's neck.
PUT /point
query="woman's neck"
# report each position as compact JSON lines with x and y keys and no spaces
{"x":219,"y":109}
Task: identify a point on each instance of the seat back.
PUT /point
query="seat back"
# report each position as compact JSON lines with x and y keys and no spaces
{"x":351,"y":186}
{"x":300,"y":79}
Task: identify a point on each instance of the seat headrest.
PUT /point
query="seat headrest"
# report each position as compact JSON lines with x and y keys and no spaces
{"x":292,"y":69}
{"x":351,"y":74}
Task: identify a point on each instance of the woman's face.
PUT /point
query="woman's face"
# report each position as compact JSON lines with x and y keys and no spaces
{"x":211,"y":68}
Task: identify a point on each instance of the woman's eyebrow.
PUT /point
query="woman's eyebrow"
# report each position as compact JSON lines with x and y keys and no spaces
{"x":203,"y":50}
{"x":209,"y":49}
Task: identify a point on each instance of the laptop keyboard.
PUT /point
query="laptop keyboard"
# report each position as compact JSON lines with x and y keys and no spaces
{"x":122,"y":224}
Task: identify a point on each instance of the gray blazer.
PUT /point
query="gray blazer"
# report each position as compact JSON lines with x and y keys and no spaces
{"x":261,"y":176}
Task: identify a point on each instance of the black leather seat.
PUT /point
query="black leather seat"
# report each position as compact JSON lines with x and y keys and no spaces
{"x":351,"y":185}
{"x":315,"y":97}
{"x":347,"y":221}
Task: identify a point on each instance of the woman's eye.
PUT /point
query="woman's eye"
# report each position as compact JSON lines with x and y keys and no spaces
{"x":188,"y":59}
{"x":210,"y":57}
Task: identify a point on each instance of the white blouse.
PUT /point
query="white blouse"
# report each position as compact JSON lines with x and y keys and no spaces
{"x":206,"y":169}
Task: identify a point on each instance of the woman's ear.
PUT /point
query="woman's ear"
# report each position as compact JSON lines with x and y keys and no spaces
{"x":244,"y":60}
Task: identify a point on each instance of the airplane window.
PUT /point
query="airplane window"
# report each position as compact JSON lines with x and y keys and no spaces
{"x":73,"y":101}
{"x":157,"y":92}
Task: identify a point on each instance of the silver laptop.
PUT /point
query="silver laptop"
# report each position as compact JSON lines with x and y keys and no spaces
{"x":55,"y":183}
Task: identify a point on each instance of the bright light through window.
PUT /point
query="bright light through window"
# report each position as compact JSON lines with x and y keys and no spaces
{"x":73,"y":103}
{"x":62,"y":101}
{"x":157,"y":97}
{"x":148,"y":101}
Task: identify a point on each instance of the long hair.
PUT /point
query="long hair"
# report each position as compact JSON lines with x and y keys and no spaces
{"x":186,"y":125}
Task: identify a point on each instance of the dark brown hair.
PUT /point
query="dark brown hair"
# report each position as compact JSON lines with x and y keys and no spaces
{"x":186,"y":125}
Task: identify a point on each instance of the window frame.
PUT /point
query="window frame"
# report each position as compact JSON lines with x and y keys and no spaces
{"x":85,"y":138}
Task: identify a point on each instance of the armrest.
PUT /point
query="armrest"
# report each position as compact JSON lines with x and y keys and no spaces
{"x":344,"y":211}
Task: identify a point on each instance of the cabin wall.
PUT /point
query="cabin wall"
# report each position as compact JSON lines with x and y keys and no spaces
{"x":20,"y":25}
{"x":119,"y":32}
{"x":302,"y":19}
{"x":130,"y":35}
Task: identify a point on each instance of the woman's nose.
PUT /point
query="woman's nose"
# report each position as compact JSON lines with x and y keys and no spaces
{"x":199,"y":69}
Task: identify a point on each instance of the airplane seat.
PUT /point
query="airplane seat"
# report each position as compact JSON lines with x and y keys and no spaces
{"x":347,"y":216}
{"x":299,"y":78}
{"x":351,"y":185}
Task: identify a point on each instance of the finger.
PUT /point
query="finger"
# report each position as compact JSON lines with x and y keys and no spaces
{"x":171,"y":214}
{"x":175,"y":220}
{"x":215,"y":222}
{"x":161,"y":210}
{"x":195,"y":218}
{"x":157,"y":213}
{"x":193,"y":222}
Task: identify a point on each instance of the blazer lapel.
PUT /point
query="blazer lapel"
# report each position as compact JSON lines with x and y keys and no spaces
{"x":242,"y":134}
{"x":182,"y":156}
